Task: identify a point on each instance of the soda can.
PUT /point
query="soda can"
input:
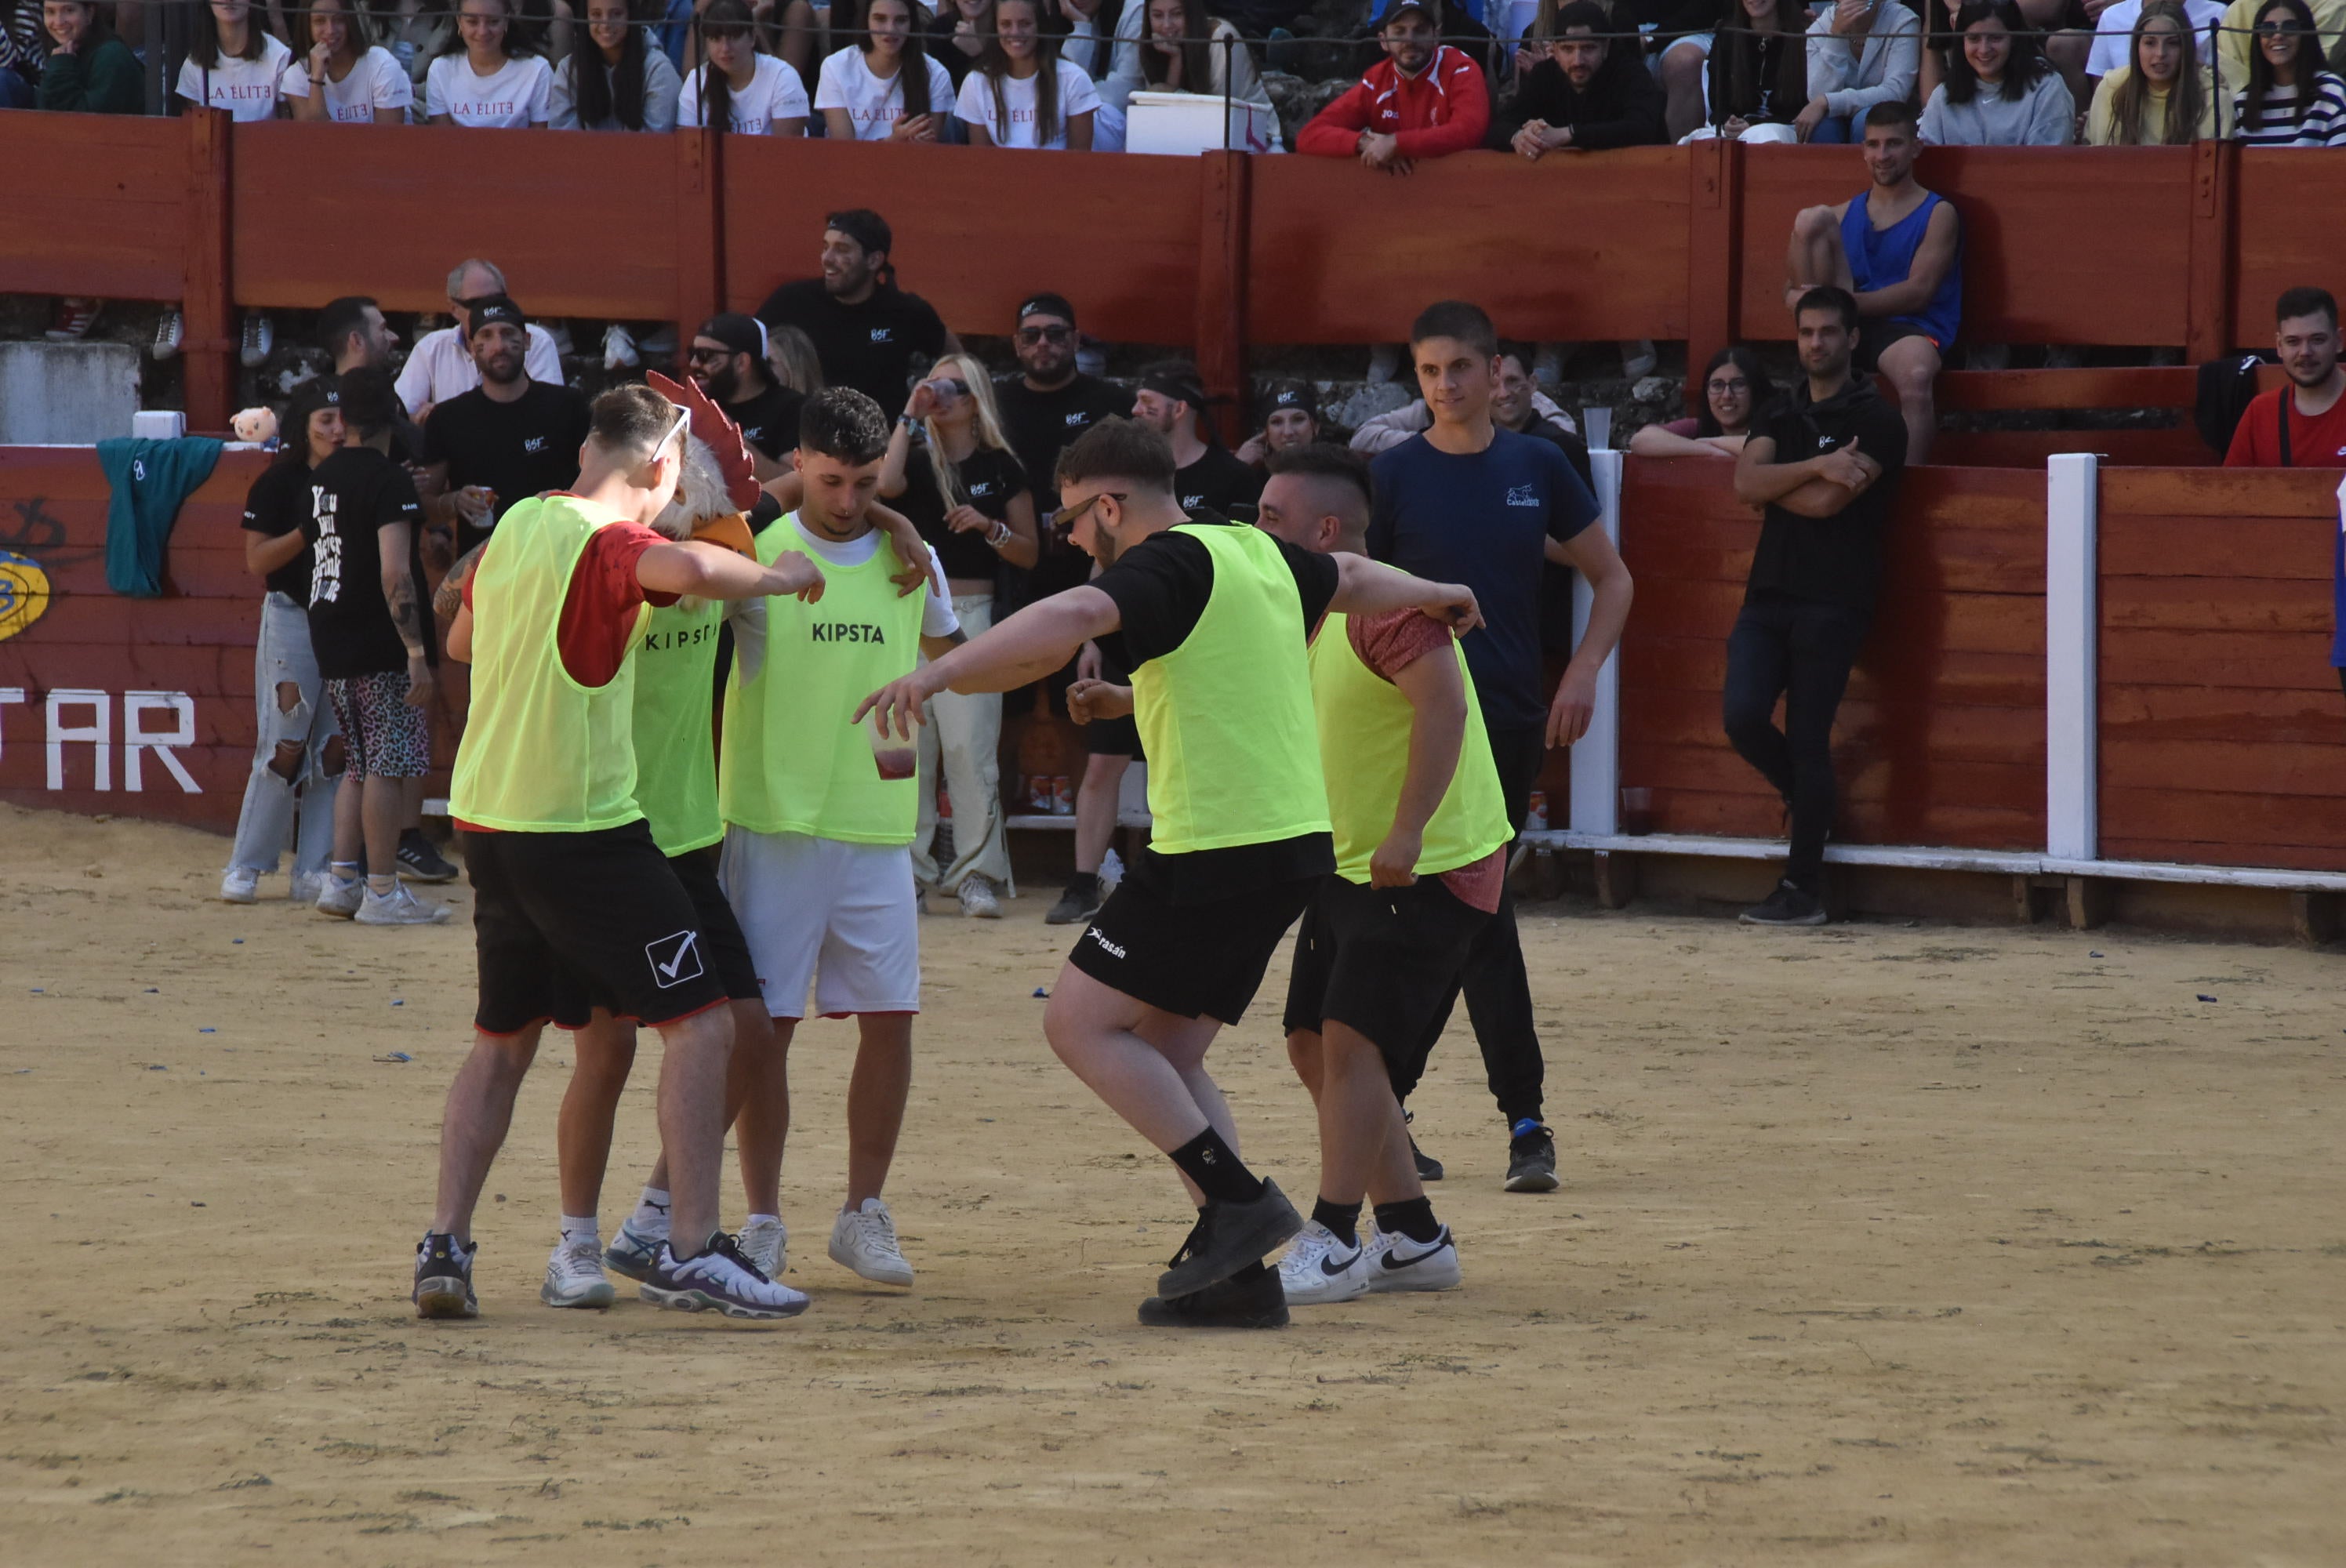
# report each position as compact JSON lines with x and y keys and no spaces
{"x":1062,"y":796}
{"x":1535,"y":819}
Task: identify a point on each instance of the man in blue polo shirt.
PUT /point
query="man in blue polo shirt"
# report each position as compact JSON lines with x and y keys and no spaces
{"x":1469,"y":502}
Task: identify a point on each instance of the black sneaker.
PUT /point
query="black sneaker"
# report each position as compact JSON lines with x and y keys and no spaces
{"x":420,"y":861}
{"x":1256,"y":1301}
{"x":444,"y":1277}
{"x":1079,"y":903}
{"x":1788,"y":905}
{"x":1531,"y":1159}
{"x":1228,"y":1237}
{"x":1428,"y":1167}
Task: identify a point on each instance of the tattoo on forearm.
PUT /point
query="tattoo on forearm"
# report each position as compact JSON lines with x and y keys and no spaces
{"x":402,"y":600}
{"x":449,"y":596}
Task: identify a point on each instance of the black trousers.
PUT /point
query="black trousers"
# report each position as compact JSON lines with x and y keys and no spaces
{"x":1801,"y":653}
{"x":1497,"y":988}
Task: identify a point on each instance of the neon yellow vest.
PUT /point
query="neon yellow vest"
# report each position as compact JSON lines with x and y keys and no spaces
{"x":676,"y":752}
{"x":541,"y":753}
{"x":1226,"y":717}
{"x":1364,"y":727}
{"x":793,"y":762}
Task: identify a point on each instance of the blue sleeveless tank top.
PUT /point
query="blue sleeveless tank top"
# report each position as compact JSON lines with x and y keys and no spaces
{"x":1881,"y":257}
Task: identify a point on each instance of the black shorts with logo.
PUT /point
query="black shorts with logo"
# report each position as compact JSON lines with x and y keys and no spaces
{"x":720,"y":931}
{"x":1385,"y":962}
{"x":1196,"y":961}
{"x":563,"y":922}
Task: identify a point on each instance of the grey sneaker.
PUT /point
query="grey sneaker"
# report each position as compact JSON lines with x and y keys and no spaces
{"x":1531,"y":1159}
{"x":978,"y":900}
{"x":1079,"y":903}
{"x":341,"y":899}
{"x":399,"y":907}
{"x":1228,"y":1237}
{"x":573,"y":1275}
{"x":632,"y":1253}
{"x":239,"y":885}
{"x":1788,"y":905}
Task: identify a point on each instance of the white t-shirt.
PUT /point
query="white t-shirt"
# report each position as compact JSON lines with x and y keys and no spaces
{"x":247,"y":89}
{"x":1076,"y":96}
{"x":2115,"y":33}
{"x":439,"y":368}
{"x":774,"y":93}
{"x":376,"y":82}
{"x":518,"y":94}
{"x":875,"y":106}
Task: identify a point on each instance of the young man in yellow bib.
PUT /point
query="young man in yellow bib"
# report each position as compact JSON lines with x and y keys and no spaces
{"x":817,"y":857}
{"x":1421,"y":836}
{"x":572,"y":899}
{"x":1212,"y":617}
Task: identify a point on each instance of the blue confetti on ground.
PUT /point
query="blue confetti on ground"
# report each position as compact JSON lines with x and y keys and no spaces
{"x":1042,"y":994}
{"x":2205,"y":997}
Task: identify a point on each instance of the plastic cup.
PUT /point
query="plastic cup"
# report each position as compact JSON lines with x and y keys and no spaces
{"x":1637,"y":811}
{"x":896,"y":756}
{"x":1596,"y":423}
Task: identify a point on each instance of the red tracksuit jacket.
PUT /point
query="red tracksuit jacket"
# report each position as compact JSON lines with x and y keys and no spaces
{"x":1444,"y":108}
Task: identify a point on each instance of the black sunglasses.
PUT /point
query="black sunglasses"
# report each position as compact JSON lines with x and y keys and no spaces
{"x":1030,"y":336}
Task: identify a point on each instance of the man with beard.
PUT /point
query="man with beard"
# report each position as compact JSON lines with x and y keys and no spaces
{"x":1823,"y":465}
{"x":868,"y":333}
{"x":1899,"y":250}
{"x":1583,"y":92}
{"x":1044,"y":408}
{"x":728,"y":363}
{"x":508,"y":439}
{"x":2304,"y":424}
{"x":440,"y":366}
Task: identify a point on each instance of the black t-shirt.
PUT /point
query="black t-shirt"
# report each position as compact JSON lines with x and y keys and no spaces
{"x":278,"y":504}
{"x":990,"y":477}
{"x":1040,"y":426}
{"x":1219,"y":483}
{"x":1160,"y":587}
{"x":871,"y":347}
{"x":1833,"y":560}
{"x":354,"y":493}
{"x":770,"y":421}
{"x":518,"y":449}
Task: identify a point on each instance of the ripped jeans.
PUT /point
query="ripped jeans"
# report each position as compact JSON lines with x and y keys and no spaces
{"x":291,"y":741}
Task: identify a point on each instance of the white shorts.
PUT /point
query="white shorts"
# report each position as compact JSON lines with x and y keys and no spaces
{"x":837,"y":918}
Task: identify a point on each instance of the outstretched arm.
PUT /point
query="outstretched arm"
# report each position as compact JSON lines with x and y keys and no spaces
{"x":1025,"y":648}
{"x":1366,"y":587}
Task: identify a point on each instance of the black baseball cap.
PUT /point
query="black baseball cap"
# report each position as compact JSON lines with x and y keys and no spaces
{"x":1175,"y":379}
{"x":498,"y":308}
{"x":1430,"y":10}
{"x":863,"y":225}
{"x":1048,"y":304}
{"x":1292,"y":394}
{"x":742,"y":334}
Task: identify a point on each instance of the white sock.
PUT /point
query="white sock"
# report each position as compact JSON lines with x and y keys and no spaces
{"x":578,"y":1226}
{"x":755,"y":1217}
{"x":650,"y":1219}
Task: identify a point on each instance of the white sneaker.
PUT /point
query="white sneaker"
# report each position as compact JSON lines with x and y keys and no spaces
{"x":341,"y":899}
{"x":306,"y":886}
{"x":619,"y":349}
{"x":573,"y":1275}
{"x":977,"y":900}
{"x":718,"y":1280}
{"x":1318,"y":1268}
{"x":399,"y":907}
{"x":239,"y":885}
{"x":259,"y":339}
{"x":864,"y":1239}
{"x":766,"y":1243}
{"x":1397,"y":1263}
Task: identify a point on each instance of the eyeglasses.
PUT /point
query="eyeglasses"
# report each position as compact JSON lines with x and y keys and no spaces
{"x":1030,"y":336}
{"x":1066,"y":516}
{"x":1727,"y":389}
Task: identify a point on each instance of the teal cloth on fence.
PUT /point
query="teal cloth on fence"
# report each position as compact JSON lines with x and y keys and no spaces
{"x":148,"y":479}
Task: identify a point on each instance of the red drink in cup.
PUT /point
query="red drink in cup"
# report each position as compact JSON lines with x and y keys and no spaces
{"x":897,"y":757}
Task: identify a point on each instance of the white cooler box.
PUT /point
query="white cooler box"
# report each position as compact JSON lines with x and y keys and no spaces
{"x":1192,"y":122}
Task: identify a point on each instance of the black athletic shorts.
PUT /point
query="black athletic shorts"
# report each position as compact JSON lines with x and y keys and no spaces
{"x":1877,"y":335}
{"x":1383,"y":960}
{"x":1196,"y":961}
{"x":720,"y":931}
{"x":566,"y":922}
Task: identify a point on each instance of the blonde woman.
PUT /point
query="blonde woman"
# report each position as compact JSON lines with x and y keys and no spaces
{"x":967,"y":494}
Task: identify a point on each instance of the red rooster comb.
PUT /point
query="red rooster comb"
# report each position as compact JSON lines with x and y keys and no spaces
{"x":716,"y":432}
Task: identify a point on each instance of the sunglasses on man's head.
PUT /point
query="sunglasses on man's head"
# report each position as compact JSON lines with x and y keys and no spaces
{"x":1030,"y":336}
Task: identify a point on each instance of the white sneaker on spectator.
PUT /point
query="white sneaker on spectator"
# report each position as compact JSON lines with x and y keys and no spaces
{"x":239,"y":885}
{"x":618,"y":348}
{"x":341,"y":899}
{"x":1638,"y":358}
{"x":767,"y":1243}
{"x":977,"y":900}
{"x":864,"y":1239}
{"x":72,"y":319}
{"x":259,"y":338}
{"x":1384,"y":363}
{"x":399,"y":907}
{"x":169,"y":333}
{"x":305,"y":887}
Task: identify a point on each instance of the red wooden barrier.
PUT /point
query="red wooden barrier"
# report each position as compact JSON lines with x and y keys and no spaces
{"x":1942,"y":737}
{"x":2222,"y":741}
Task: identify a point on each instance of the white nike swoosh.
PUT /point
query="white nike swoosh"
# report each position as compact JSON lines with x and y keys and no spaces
{"x":1394,"y":1260}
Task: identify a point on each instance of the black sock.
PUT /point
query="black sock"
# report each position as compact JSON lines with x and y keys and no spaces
{"x":1214,"y":1166}
{"x":1413,"y":1219}
{"x":1083,"y":883}
{"x":1343,"y":1218}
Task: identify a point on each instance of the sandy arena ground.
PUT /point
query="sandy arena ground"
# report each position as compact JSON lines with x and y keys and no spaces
{"x":1880,"y":1244}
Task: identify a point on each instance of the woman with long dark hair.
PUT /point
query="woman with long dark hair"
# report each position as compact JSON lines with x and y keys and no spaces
{"x":88,"y":70}
{"x":1759,"y":73}
{"x":488,"y":76}
{"x":234,"y":63}
{"x":615,"y":78}
{"x":2000,"y":90}
{"x":735,"y":87}
{"x":2290,"y":100}
{"x":1735,"y":392}
{"x":294,"y":724}
{"x":1184,"y":50}
{"x":346,"y":77}
{"x":884,"y":87}
{"x":1022,"y":93}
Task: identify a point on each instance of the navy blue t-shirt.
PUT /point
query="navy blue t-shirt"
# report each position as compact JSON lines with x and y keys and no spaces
{"x":1484,"y":519}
